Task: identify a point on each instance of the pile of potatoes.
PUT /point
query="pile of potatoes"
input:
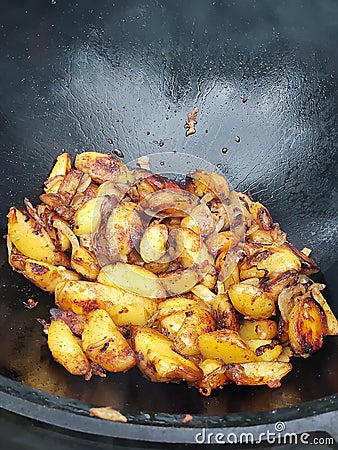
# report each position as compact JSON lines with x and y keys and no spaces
{"x":193,"y":282}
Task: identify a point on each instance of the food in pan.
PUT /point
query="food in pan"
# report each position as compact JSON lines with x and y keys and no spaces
{"x":190,"y":282}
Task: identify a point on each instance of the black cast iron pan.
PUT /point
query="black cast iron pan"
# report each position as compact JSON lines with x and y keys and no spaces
{"x":79,"y":77}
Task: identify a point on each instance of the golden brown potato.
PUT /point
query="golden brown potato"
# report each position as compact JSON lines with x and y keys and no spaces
{"x":251,"y":301}
{"x":282,"y":281}
{"x":61,"y":168}
{"x":123,"y":307}
{"x":132,"y":278}
{"x":196,"y":323}
{"x":332,"y":323}
{"x":224,"y":313}
{"x":226,"y":345}
{"x":103,"y":343}
{"x":32,"y":240}
{"x":258,"y":329}
{"x":158,"y":361}
{"x":170,"y":325}
{"x":98,"y":166}
{"x":177,"y":305}
{"x":82,"y":261}
{"x":219,"y":242}
{"x":202,"y":292}
{"x":307,"y":327}
{"x":258,"y":373}
{"x":270,"y":261}
{"x":66,"y":349}
{"x":265,"y":349}
{"x":47,"y":276}
{"x":179,"y":281}
{"x":124,"y":228}
{"x":200,"y":220}
{"x":213,"y":376}
{"x":87,"y":218}
{"x":153,"y":242}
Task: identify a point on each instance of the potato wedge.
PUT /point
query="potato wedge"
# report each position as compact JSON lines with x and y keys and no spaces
{"x":124,"y":228}
{"x":179,"y":281}
{"x":46,"y":276}
{"x":258,"y":329}
{"x":98,"y":166}
{"x":103,"y":343}
{"x":153,"y":242}
{"x":226,"y":345}
{"x":32,"y":240}
{"x":265,"y":349}
{"x":332,"y":322}
{"x":200,"y":220}
{"x":272,"y":261}
{"x":177,"y":305}
{"x":170,"y":325}
{"x":224,"y":313}
{"x":123,"y":307}
{"x":66,"y":349}
{"x":87,"y":218}
{"x":60,"y":169}
{"x":258,"y":373}
{"x":196,"y":323}
{"x":158,"y":361}
{"x":133,"y":278}
{"x":307,"y":326}
{"x":213,"y":376}
{"x":251,"y":301}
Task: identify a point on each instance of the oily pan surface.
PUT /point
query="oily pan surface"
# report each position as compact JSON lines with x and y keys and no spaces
{"x":88,"y":84}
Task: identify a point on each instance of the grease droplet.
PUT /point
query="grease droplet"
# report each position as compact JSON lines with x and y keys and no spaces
{"x":224,"y":150}
{"x":118,"y":153}
{"x":161,"y":163}
{"x":110,"y":141}
{"x":237,"y":139}
{"x":245,"y":99}
{"x":219,"y":166}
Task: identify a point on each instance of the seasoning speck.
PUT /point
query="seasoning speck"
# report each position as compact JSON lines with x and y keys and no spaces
{"x":31,"y":303}
{"x":237,"y":139}
{"x":245,"y":99}
{"x":224,"y":150}
{"x":118,"y":153}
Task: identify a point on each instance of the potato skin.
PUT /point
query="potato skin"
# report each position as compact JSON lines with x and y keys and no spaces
{"x":307,"y":327}
{"x":124,"y":308}
{"x":158,"y":361}
{"x":251,"y":301}
{"x":153,"y":242}
{"x":258,"y":373}
{"x":103,"y":343}
{"x":47,"y":276}
{"x":258,"y":329}
{"x":98,"y":166}
{"x":65,"y":348}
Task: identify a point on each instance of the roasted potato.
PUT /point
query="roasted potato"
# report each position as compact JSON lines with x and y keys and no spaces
{"x":103,"y":343}
{"x":251,"y":301}
{"x":61,"y":168}
{"x":332,"y":323}
{"x":98,"y":166}
{"x":123,"y":307}
{"x":202,"y":182}
{"x":307,"y":327}
{"x":32,"y":240}
{"x":169,"y":202}
{"x":258,"y":329}
{"x":170,"y":325}
{"x":265,"y":349}
{"x":213,"y":376}
{"x":65,"y":348}
{"x":46,"y":276}
{"x":179,"y":281}
{"x":153,"y":242}
{"x":224,"y":313}
{"x":258,"y":373}
{"x":157,"y":359}
{"x":132,"y":278}
{"x":196,"y":323}
{"x":177,"y":305}
{"x":87,"y":218}
{"x":226,"y":345}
